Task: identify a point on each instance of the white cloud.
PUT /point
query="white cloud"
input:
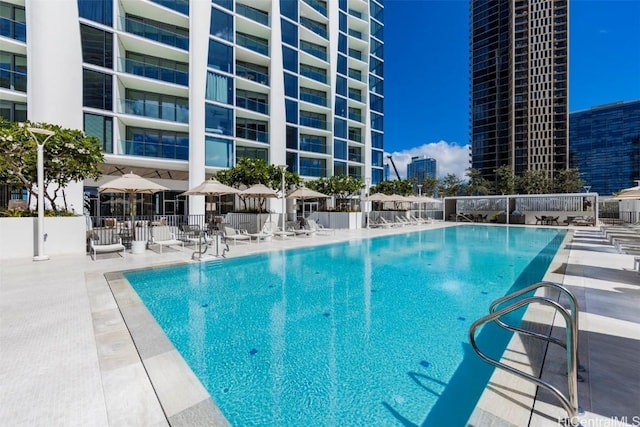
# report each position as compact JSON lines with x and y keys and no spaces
{"x":450,"y":158}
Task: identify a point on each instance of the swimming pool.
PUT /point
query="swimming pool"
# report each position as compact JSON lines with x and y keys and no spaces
{"x":368,"y":332}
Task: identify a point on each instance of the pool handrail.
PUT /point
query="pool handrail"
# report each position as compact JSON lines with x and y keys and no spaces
{"x":569,"y":404}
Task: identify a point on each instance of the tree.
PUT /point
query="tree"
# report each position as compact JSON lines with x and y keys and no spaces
{"x":477,"y":184}
{"x":342,"y":187}
{"x":506,"y":180}
{"x":450,"y":185}
{"x":69,"y":155}
{"x":534,"y":182}
{"x":248,"y":172}
{"x":402,"y":187}
{"x":429,"y":186}
{"x":568,"y":181}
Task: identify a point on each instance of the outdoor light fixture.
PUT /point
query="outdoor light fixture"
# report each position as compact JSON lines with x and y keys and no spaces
{"x":420,"y":202}
{"x":283,"y":168}
{"x":40,"y":256}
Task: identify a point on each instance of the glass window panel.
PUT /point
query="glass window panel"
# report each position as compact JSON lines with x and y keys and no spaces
{"x":227,"y":4}
{"x":342,"y":22}
{"x":341,"y":85}
{"x":97,"y":90}
{"x":339,"y":168}
{"x":377,"y":103}
{"x":292,"y":137}
{"x":221,"y":25}
{"x":289,"y":33}
{"x":289,"y":8}
{"x":342,"y":43}
{"x":97,"y":10}
{"x":341,"y":106}
{"x":377,"y":122}
{"x":102,"y":128}
{"x":340,"y":128}
{"x":290,"y":85}
{"x":97,"y":46}
{"x":377,"y":158}
{"x":220,"y":56}
{"x":291,"y":108}
{"x":219,"y":88}
{"x":218,"y":120}
{"x":290,"y":59}
{"x":218,"y":152}
{"x":342,"y":64}
{"x":377,"y":140}
{"x":340,"y":149}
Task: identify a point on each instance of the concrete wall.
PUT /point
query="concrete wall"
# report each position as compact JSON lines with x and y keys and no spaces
{"x":65,"y":236}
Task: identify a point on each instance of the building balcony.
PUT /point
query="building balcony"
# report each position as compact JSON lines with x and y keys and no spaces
{"x":313,"y":146}
{"x":155,"y":110}
{"x":314,"y":50}
{"x":314,"y":75}
{"x":313,"y":122}
{"x":12,"y":29}
{"x":13,"y":80}
{"x":252,"y":74}
{"x":155,"y":33}
{"x":253,"y":14}
{"x":180,"y":6}
{"x":314,"y":27}
{"x":256,"y":105}
{"x":155,"y":72}
{"x":318,"y":6}
{"x":314,"y":99}
{"x":255,"y":44}
{"x":252,"y":133}
{"x":153,"y":149}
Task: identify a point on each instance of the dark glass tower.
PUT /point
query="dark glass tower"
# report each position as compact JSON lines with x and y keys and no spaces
{"x":518,"y":88}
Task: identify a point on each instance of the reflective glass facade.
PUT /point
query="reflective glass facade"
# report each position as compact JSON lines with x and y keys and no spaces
{"x":519,"y":76}
{"x":605,"y":146}
{"x":421,"y":168}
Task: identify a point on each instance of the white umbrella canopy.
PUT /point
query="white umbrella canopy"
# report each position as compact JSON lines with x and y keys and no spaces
{"x":304,"y":193}
{"x":259,"y":191}
{"x":629,"y":193}
{"x":210,"y":188}
{"x":379,"y":197}
{"x":131,"y":184}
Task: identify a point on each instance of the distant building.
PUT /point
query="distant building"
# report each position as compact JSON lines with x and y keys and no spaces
{"x":605,"y":146}
{"x":518,"y":85}
{"x":421,"y":168}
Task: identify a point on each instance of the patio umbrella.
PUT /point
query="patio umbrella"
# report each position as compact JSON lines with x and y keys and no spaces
{"x":210,"y":188}
{"x":131,"y":184}
{"x":259,"y":191}
{"x":304,"y":193}
{"x":629,"y":193}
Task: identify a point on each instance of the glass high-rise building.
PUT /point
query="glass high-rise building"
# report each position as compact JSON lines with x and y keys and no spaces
{"x":421,"y":168}
{"x":519,"y":85}
{"x":605,"y":146}
{"x":177,"y":90}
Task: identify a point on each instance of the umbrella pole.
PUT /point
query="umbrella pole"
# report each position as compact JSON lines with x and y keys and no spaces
{"x":132,"y":203}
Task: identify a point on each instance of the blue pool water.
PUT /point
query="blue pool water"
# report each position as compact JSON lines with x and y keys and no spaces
{"x":363,"y":333}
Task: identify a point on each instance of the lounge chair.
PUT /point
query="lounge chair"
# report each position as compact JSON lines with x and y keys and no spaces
{"x":381,"y":223}
{"x":301,"y":230}
{"x":96,"y":246}
{"x":319,"y":228}
{"x":231,"y":233}
{"x":161,"y":235}
{"x":265,"y":233}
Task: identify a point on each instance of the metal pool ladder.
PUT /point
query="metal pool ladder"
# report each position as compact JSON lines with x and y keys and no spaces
{"x":570,"y":403}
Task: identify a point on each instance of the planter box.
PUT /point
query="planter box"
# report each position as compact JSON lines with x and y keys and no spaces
{"x":65,"y":236}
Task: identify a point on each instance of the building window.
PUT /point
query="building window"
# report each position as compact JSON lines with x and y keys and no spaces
{"x":289,"y":32}
{"x":292,"y":137}
{"x":290,"y":85}
{"x":218,"y":152}
{"x":218,"y":120}
{"x":219,"y":88}
{"x":340,"y":149}
{"x":97,"y":10}
{"x":290,"y":59}
{"x":227,"y":4}
{"x":289,"y":8}
{"x":313,"y":167}
{"x":156,"y":143}
{"x":340,"y":128}
{"x":377,"y":158}
{"x":339,"y":168}
{"x":13,"y":111}
{"x":377,"y":140}
{"x":156,"y":68}
{"x":102,"y":128}
{"x":13,"y":71}
{"x":255,"y":130}
{"x":157,"y":105}
{"x":291,"y":111}
{"x":221,"y":25}
{"x":340,"y":106}
{"x":97,"y":90}
{"x":313,"y":143}
{"x":220,"y":56}
{"x":97,"y":46}
{"x":252,"y":153}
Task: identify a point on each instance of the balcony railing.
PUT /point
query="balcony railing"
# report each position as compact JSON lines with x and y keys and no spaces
{"x":13,"y":29}
{"x":313,"y":145}
{"x":155,"y":72}
{"x":316,"y":28}
{"x":180,"y":6}
{"x":314,"y":99}
{"x":355,"y":116}
{"x":356,"y":96}
{"x":313,"y":171}
{"x":318,"y":6}
{"x":157,"y":110}
{"x":355,"y":74}
{"x":14,"y":80}
{"x":313,"y":122}
{"x":315,"y":75}
{"x":253,"y":43}
{"x":153,"y":149}
{"x":252,"y":134}
{"x":313,"y":50}
{"x":152,"y":32}
{"x":256,"y":105}
{"x":253,"y":14}
{"x":250,"y":74}
{"x":356,"y":34}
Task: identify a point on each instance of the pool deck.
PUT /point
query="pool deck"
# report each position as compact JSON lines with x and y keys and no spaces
{"x":67,"y":357}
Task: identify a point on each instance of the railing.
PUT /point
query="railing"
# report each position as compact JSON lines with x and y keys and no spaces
{"x":253,"y":43}
{"x":315,"y":27}
{"x":250,"y":74}
{"x":13,"y":29}
{"x":256,"y":105}
{"x":155,"y":72}
{"x":318,"y":6}
{"x":570,"y":344}
{"x":314,"y":99}
{"x":315,"y":75}
{"x":152,"y":32}
{"x":256,"y":15}
{"x":313,"y":50}
{"x":313,"y":122}
{"x":180,"y":6}
{"x":253,"y":134}
{"x":14,"y":80}
{"x":153,"y":149}
{"x":156,"y":110}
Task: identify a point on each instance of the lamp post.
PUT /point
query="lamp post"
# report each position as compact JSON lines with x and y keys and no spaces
{"x":420,"y":202}
{"x":283,"y":168}
{"x":40,"y":256}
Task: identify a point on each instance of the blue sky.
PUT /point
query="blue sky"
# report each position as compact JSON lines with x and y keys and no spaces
{"x":427,"y":75}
